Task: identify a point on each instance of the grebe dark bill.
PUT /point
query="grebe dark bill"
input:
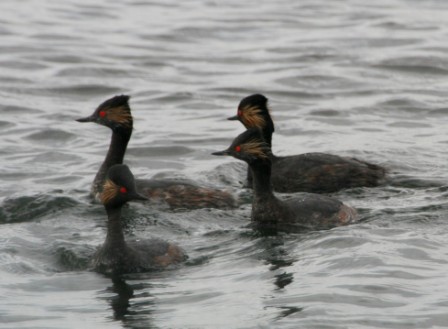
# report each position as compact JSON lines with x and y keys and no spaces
{"x":117,"y":255}
{"x":304,"y":211}
{"x":115,"y":113}
{"x":309,"y":172}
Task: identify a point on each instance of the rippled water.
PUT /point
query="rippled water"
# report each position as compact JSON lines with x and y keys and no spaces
{"x":347,"y":77}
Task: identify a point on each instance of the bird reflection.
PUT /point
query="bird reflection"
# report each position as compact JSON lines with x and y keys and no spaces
{"x":283,"y":279}
{"x":132,"y":316}
{"x":276,"y":255}
{"x":120,"y":302}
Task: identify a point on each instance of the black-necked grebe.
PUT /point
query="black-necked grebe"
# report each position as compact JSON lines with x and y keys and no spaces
{"x":115,"y":113}
{"x":304,"y":211}
{"x":117,"y":255}
{"x":309,"y":172}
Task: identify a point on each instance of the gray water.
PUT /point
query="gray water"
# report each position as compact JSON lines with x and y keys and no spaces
{"x":354,"y":78}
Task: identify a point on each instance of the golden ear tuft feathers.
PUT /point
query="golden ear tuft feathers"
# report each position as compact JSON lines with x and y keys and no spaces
{"x":252,"y":117}
{"x":255,"y":147}
{"x":110,"y":190}
{"x":121,"y":115}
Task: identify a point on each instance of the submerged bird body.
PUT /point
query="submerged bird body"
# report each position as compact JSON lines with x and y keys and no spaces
{"x":304,"y":211}
{"x":309,"y":172}
{"x":115,"y":113}
{"x":117,"y":255}
{"x":137,"y":256}
{"x":320,"y":172}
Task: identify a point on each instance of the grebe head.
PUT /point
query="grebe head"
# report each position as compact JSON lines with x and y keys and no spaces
{"x":253,"y":112}
{"x":249,"y":147}
{"x":114,"y":113}
{"x":119,"y":187}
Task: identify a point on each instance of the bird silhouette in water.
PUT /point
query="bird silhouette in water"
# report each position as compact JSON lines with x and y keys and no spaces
{"x":117,"y":255}
{"x":304,"y":211}
{"x":115,"y":113}
{"x":309,"y":172}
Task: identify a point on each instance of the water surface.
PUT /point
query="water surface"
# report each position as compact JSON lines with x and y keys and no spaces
{"x":346,"y":77}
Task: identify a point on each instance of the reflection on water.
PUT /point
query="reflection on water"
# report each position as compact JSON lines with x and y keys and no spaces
{"x":120,"y":296}
{"x":120,"y":302}
{"x":365,"y":80}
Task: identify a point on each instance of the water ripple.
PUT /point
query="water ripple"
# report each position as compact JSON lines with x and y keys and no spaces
{"x":31,"y":208}
{"x":349,"y":78}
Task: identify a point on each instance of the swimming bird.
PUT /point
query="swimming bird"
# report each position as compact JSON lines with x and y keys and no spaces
{"x":303,"y":211}
{"x":309,"y":172}
{"x":115,"y":113}
{"x":117,"y":255}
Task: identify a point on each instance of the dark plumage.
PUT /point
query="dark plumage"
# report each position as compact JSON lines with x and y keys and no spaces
{"x":309,"y":172}
{"x":117,"y":255}
{"x":115,"y":113}
{"x":304,"y":211}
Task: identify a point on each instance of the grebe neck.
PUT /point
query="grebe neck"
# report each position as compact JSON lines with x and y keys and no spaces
{"x":115,"y":236}
{"x":261,"y":173}
{"x":267,"y":135}
{"x":115,"y":155}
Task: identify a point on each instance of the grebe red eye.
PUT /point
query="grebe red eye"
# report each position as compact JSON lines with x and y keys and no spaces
{"x":102,"y":114}
{"x":123,"y":190}
{"x":240,"y":113}
{"x":238,"y":148}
